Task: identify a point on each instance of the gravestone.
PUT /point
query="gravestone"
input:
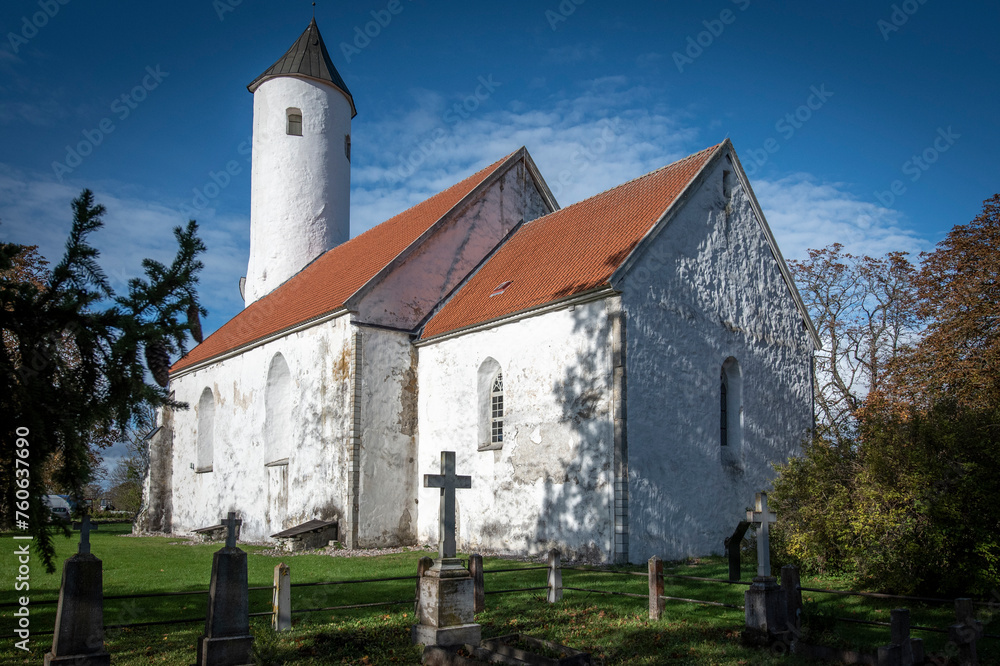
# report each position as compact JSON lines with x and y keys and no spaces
{"x":446,"y":610}
{"x":733,"y":544}
{"x":765,"y":604}
{"x":79,"y":634}
{"x":227,"y":640}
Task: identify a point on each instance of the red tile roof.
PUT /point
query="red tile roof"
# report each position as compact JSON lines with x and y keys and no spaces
{"x":567,"y":252}
{"x":324,"y":285}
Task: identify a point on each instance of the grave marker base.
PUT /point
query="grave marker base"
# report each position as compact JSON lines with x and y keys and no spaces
{"x":446,"y":613}
{"x":230,"y":651}
{"x":766,"y":613}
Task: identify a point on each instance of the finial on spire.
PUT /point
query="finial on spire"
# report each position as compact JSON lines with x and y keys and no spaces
{"x":314,"y":10}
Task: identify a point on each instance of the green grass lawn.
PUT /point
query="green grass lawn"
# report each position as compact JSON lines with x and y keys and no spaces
{"x":615,"y":629}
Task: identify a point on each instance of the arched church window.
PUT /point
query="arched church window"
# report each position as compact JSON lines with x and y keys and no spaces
{"x":204,"y":456}
{"x":492,"y":405}
{"x":496,"y":410}
{"x":731,"y":413}
{"x":294,"y":124}
{"x":278,"y":408}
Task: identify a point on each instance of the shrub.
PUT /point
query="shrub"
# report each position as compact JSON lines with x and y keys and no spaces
{"x":909,"y":506}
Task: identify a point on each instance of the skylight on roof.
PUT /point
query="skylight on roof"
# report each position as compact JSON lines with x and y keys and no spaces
{"x":500,"y":288}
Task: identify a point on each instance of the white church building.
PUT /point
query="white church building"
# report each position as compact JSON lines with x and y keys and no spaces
{"x":617,"y":376}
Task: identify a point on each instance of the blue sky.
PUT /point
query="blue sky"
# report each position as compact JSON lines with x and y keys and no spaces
{"x":826,"y":103}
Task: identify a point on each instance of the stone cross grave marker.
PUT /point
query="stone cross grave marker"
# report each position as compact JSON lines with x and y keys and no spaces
{"x":84,"y":534}
{"x":447,"y":481}
{"x":231,"y":523}
{"x":764,"y":517}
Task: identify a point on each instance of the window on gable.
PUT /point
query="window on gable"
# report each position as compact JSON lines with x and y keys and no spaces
{"x":731,"y":414}
{"x":294,"y":125}
{"x":723,"y":423}
{"x":496,"y":410}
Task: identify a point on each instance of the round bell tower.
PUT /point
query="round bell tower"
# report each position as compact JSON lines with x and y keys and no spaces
{"x":301,"y":164}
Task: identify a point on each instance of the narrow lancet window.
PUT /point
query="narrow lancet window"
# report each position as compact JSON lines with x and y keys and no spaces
{"x":496,"y":410}
{"x":723,"y":421}
{"x":731,"y":414}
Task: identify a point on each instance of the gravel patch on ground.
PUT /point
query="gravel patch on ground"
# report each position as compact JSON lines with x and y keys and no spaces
{"x":339,"y":551}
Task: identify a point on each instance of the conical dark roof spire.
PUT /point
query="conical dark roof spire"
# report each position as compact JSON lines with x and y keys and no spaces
{"x":308,"y":57}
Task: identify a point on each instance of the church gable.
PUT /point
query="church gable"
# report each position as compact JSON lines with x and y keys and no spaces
{"x":733,"y":217}
{"x":324,"y":286}
{"x":718,"y":362}
{"x":407,"y":289}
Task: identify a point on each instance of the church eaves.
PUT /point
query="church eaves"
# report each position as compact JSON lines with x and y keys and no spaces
{"x":571,"y":251}
{"x":325,"y":285}
{"x":308,"y":57}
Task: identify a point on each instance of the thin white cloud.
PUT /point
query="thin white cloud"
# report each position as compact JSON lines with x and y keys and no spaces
{"x":586,"y":143}
{"x":583,"y":144}
{"x":35,"y":210}
{"x":573,"y":54}
{"x":805,"y":214}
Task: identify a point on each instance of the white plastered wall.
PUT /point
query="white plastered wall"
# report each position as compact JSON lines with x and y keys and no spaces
{"x":300,"y":185}
{"x":387,"y":511}
{"x":269,"y":499}
{"x":708,"y":288}
{"x":551,"y":483}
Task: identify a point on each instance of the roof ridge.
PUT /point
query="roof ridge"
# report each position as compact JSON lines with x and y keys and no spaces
{"x":628,"y":182}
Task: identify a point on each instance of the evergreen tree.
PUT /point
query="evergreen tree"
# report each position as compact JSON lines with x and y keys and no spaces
{"x":71,"y":365}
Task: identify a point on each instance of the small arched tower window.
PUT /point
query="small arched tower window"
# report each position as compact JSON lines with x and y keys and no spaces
{"x":731,"y":413}
{"x":491,"y":405}
{"x":205,"y":454}
{"x":278,"y":418}
{"x":294,"y":122}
